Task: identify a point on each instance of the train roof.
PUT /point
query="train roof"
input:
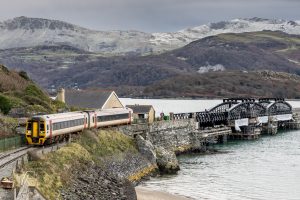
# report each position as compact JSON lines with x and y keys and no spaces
{"x":113,"y":111}
{"x":80,"y":113}
{"x":60,"y":115}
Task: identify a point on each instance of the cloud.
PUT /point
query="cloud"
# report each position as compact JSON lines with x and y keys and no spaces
{"x":148,"y":15}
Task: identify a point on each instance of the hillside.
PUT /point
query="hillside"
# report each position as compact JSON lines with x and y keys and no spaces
{"x":19,"y":96}
{"x":228,"y":84}
{"x":65,"y":66}
{"x":31,"y":32}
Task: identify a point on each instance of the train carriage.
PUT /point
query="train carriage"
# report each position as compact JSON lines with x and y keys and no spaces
{"x":49,"y":128}
{"x":113,"y":117}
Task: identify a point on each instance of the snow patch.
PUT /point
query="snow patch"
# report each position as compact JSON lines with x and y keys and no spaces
{"x":208,"y":68}
{"x":182,"y":58}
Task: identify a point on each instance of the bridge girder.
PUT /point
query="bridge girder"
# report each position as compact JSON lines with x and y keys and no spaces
{"x":232,"y":109}
{"x":223,"y":107}
{"x":279,"y":108}
{"x":248,"y":109}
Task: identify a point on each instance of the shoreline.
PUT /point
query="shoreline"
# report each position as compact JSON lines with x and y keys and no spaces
{"x":144,"y":193}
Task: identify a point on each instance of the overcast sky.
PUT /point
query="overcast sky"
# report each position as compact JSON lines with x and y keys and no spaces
{"x":148,"y":15}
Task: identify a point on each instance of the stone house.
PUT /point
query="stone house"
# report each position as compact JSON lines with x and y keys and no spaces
{"x":90,"y":99}
{"x":143,"y":113}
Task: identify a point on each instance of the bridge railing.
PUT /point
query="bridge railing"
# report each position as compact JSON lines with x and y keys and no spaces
{"x":211,"y":117}
{"x":181,"y":116}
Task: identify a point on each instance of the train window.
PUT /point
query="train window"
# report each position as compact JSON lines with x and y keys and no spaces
{"x":112,"y":117}
{"x":42,"y":126}
{"x":47,"y":127}
{"x":29,"y":125}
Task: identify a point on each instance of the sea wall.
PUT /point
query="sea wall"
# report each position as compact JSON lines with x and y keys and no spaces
{"x":166,"y":139}
{"x":178,"y":136}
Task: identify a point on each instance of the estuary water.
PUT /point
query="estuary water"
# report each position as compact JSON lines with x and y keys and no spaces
{"x":264,"y":169}
{"x":181,"y":106}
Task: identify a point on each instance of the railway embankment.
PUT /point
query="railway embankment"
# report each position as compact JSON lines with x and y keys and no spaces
{"x":96,"y":165}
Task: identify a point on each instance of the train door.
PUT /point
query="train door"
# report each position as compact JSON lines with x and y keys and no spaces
{"x":35,"y":131}
{"x":88,"y":119}
{"x":95,"y":119}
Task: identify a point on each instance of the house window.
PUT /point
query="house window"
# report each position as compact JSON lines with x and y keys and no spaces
{"x":141,"y":116}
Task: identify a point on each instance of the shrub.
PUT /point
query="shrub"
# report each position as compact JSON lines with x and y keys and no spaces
{"x":24,"y":75}
{"x":5,"y":104}
{"x":33,"y":90}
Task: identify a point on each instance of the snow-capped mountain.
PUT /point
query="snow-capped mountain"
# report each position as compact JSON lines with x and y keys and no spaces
{"x":188,"y":35}
{"x":28,"y":32}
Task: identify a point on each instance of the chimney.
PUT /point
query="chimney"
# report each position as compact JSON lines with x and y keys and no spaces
{"x":61,"y":95}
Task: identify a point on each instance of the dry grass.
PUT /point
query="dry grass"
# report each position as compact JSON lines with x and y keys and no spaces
{"x":55,"y":170}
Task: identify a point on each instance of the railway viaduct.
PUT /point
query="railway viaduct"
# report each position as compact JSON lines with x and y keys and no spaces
{"x":234,"y":118}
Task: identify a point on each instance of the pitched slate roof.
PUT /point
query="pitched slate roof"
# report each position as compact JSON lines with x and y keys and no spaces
{"x":87,"y":98}
{"x":142,"y":109}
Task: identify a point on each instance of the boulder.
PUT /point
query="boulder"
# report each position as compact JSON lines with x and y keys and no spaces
{"x":146,"y":148}
{"x":166,"y":161}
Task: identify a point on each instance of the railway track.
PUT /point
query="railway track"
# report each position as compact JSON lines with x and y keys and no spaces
{"x":11,"y":156}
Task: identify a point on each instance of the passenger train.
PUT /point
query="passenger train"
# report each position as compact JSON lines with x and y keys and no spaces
{"x":46,"y":129}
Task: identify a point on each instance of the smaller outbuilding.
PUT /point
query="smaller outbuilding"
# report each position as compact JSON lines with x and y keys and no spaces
{"x":143,"y":113}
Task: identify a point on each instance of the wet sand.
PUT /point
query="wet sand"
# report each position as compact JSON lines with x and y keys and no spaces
{"x":147,"y":194}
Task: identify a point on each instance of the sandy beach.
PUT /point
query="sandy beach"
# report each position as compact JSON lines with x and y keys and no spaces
{"x":148,"y":194}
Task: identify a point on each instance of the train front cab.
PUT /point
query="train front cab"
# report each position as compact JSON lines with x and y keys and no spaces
{"x":36,"y":131}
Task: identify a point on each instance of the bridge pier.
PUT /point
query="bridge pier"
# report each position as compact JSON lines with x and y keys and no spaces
{"x":270,"y":128}
{"x":251,"y":132}
{"x":245,"y":129}
{"x":294,"y":124}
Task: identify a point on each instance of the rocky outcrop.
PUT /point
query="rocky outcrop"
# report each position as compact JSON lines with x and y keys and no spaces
{"x":146,"y":148}
{"x":167,"y":161}
{"x":129,"y":165}
{"x":96,"y":183}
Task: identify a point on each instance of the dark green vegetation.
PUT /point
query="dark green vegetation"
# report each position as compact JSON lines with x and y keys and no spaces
{"x":65,"y":66}
{"x":19,"y":96}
